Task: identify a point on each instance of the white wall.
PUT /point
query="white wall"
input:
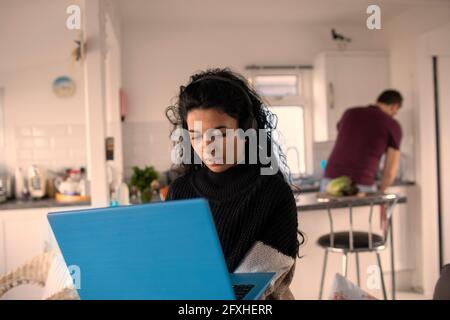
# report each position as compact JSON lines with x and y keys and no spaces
{"x":158,"y":58}
{"x":31,"y":106}
{"x":403,"y":34}
{"x":433,"y":43}
{"x":36,"y":48}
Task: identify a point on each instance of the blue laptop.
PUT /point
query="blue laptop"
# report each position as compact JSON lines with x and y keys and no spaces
{"x":159,"y":251}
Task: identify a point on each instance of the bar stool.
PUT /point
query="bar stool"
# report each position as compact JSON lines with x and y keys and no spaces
{"x":356,"y":242}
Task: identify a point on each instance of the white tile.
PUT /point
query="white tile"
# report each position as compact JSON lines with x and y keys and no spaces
{"x":146,"y":143}
{"x":25,"y":143}
{"x":39,"y":131}
{"x":61,"y":165}
{"x":52,"y":142}
{"x":44,"y":163}
{"x":41,"y":142}
{"x":138,"y":137}
{"x":50,"y":154}
{"x":77,"y":130}
{"x":58,"y":154}
{"x":42,"y":154}
{"x":77,"y":153}
{"x":140,"y":151}
{"x":49,"y":130}
{"x":57,"y":131}
{"x":23,"y":131}
{"x":67,"y":142}
{"x":24,"y":154}
{"x":24,"y":164}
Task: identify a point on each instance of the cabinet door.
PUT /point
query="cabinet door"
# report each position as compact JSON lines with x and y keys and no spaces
{"x":354,"y":80}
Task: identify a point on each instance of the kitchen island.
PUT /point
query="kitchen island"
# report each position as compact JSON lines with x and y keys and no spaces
{"x":314,"y":222}
{"x":326,"y":202}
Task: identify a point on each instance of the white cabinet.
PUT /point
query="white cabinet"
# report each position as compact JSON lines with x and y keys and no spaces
{"x":343,"y":80}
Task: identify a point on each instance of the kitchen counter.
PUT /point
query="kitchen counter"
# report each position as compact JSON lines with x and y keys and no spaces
{"x":314,"y":204}
{"x":309,"y":188}
{"x":41,"y":203}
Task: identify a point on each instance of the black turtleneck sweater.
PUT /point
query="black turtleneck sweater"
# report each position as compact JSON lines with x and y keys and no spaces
{"x":247,"y":207}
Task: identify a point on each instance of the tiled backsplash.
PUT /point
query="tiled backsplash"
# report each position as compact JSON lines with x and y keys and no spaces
{"x":145,"y":144}
{"x":52,"y":146}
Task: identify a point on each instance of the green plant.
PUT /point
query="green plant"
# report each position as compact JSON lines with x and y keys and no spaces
{"x":142,"y":179}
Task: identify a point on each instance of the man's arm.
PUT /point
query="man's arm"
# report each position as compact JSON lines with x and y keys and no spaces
{"x":390,"y":168}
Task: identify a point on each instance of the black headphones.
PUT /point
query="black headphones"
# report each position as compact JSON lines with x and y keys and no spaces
{"x":252,"y":122}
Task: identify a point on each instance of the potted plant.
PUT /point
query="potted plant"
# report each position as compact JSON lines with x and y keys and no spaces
{"x":145,"y":181}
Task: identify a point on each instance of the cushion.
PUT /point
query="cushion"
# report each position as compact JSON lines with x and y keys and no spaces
{"x":341,"y":240}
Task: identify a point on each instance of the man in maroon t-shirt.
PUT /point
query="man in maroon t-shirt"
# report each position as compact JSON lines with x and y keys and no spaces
{"x":364,"y":135}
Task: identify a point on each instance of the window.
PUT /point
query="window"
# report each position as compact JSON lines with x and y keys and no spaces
{"x":277,"y":86}
{"x":291,"y":125}
{"x":288,"y":93}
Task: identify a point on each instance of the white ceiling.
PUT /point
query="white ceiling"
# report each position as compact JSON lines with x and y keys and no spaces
{"x":261,"y":11}
{"x":33,"y":32}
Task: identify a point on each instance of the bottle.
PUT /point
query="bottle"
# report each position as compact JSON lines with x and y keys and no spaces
{"x":123,"y":194}
{"x":19,"y":183}
{"x":3,"y":192}
{"x":83,"y":184}
{"x":113,"y":202}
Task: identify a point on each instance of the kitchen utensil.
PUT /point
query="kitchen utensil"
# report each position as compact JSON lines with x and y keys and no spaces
{"x":37,"y":179}
{"x":19,"y":180}
{"x":71,"y":184}
{"x":3,"y":194}
{"x":65,"y":198}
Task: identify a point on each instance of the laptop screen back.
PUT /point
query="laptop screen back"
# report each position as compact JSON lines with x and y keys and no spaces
{"x":167,"y":250}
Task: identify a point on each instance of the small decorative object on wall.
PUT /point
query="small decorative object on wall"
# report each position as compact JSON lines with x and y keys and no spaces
{"x":64,"y":87}
{"x":79,"y":53}
{"x":110,"y":148}
{"x":340,"y":39}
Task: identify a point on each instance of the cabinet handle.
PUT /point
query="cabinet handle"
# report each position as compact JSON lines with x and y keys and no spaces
{"x":331,"y":91}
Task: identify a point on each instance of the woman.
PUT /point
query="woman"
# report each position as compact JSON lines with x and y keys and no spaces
{"x":252,"y":204}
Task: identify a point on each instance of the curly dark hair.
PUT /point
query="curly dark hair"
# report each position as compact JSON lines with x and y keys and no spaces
{"x":231,"y":93}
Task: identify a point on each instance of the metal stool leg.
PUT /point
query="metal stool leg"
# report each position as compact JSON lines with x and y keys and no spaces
{"x":344,"y":264}
{"x":391,"y":236}
{"x":381,"y":275}
{"x":323,"y":274}
{"x":357,"y":269}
